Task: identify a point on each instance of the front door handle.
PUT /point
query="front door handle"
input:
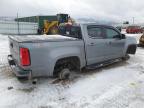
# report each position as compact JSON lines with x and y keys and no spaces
{"x":110,"y":43}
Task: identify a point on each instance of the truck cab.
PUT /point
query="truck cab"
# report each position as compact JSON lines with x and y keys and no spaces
{"x":102,"y":43}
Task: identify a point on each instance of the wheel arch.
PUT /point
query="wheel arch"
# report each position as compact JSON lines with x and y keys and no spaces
{"x":73,"y":60}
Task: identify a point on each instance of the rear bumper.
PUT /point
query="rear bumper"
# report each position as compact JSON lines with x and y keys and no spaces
{"x":19,"y":72}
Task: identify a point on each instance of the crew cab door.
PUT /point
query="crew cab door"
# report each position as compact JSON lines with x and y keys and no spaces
{"x":95,"y":45}
{"x":114,"y":42}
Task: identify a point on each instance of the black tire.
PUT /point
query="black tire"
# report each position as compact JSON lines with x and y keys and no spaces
{"x":39,"y":31}
{"x":65,"y":66}
{"x":126,"y":57}
{"x":62,"y":71}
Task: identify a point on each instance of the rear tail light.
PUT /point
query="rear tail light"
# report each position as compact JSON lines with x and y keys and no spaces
{"x":24,"y":57}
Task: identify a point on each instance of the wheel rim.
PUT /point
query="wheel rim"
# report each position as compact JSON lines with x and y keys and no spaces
{"x":64,"y":74}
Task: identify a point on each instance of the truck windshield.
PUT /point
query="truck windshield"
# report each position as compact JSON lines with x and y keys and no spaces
{"x":70,"y":31}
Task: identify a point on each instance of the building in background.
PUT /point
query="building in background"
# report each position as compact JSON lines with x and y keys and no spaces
{"x":37,"y":19}
{"x":15,"y":28}
{"x":9,"y":25}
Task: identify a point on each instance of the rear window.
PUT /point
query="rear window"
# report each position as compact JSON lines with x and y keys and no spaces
{"x":70,"y":31}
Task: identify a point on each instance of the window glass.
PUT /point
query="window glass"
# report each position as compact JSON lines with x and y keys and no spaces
{"x":110,"y":33}
{"x":95,"y":32}
{"x":70,"y":31}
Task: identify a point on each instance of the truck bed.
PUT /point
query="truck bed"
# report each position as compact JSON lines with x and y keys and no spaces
{"x":41,"y":38}
{"x":43,"y":52}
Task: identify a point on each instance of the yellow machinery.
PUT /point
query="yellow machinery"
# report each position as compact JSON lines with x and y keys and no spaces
{"x":52,"y":27}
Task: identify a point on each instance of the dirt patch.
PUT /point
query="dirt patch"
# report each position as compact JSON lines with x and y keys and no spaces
{"x":6,"y":71}
{"x":27,"y":90}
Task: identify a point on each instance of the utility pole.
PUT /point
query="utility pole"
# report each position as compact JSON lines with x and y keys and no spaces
{"x":18,"y":24}
{"x":133,"y":20}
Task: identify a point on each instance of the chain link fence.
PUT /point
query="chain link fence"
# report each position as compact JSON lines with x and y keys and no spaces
{"x":8,"y":25}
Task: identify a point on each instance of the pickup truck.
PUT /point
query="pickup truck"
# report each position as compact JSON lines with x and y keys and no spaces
{"x":76,"y":47}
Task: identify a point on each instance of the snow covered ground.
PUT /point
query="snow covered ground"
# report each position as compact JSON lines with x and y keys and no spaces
{"x":120,"y":85}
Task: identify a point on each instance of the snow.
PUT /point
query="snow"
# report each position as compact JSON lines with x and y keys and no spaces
{"x":120,"y":85}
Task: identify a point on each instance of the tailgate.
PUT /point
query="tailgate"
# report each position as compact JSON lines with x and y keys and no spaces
{"x":14,"y":49}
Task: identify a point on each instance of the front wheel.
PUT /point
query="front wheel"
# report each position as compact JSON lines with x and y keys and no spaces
{"x":126,"y":57}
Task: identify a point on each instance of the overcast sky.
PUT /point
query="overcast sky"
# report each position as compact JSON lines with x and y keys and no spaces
{"x":119,"y":10}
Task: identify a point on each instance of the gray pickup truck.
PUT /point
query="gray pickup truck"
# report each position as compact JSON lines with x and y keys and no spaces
{"x":77,"y":47}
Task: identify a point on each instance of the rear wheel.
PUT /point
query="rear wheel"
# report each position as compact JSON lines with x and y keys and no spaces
{"x":63,"y":70}
{"x":64,"y":74}
{"x":65,"y":66}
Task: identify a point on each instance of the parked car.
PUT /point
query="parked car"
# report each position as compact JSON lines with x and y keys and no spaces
{"x":134,"y":29}
{"x":85,"y":46}
{"x":141,"y":40}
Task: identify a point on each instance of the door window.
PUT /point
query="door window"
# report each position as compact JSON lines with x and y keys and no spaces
{"x":111,"y":33}
{"x":95,"y":32}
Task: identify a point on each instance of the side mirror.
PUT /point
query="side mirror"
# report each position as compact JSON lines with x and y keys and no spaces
{"x":123,"y":36}
{"x":117,"y":37}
